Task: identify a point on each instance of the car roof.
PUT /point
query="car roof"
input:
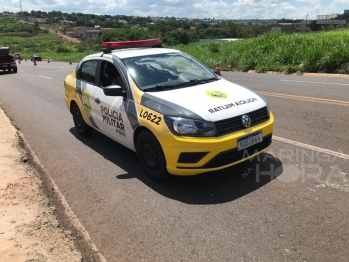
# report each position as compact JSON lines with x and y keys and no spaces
{"x":134,"y":52}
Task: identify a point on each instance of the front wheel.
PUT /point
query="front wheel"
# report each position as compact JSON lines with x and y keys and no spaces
{"x":80,"y":125}
{"x":151,"y":156}
{"x":14,"y":69}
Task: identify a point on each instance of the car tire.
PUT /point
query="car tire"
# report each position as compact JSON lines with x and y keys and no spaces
{"x":80,"y":125}
{"x":151,"y":156}
{"x":14,"y":69}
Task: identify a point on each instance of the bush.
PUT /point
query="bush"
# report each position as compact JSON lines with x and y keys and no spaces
{"x":63,"y":49}
{"x":288,"y":53}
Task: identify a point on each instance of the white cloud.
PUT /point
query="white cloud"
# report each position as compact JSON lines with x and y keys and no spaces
{"x":340,"y":1}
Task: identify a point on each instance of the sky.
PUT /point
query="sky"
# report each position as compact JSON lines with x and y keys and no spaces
{"x":218,"y":9}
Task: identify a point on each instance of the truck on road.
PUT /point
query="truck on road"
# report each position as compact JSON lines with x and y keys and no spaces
{"x":7,"y":60}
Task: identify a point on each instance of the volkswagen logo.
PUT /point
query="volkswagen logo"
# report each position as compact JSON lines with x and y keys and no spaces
{"x":246,"y":121}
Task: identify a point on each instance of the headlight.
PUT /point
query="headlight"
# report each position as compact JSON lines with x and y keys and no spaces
{"x":189,"y":127}
{"x":266,"y":104}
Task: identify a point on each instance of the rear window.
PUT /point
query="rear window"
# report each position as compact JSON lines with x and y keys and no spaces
{"x":4,"y":51}
{"x":88,"y":71}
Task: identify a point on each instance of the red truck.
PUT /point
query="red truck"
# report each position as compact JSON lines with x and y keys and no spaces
{"x":7,"y":60}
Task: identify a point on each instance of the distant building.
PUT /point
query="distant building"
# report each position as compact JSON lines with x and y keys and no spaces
{"x":31,"y":19}
{"x":41,"y":20}
{"x":50,"y":20}
{"x":67,"y":22}
{"x":287,"y":28}
{"x":302,"y":27}
{"x":331,"y":22}
{"x":346,"y":12}
{"x":85,"y":33}
{"x":326,"y":17}
{"x":280,"y":27}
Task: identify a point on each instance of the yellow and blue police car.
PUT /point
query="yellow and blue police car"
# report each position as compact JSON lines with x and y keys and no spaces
{"x":178,"y":115}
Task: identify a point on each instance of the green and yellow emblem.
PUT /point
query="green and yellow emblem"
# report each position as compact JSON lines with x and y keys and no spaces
{"x":86,"y":102}
{"x":216,"y":94}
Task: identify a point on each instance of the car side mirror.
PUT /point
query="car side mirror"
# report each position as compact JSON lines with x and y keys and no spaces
{"x":114,"y":90}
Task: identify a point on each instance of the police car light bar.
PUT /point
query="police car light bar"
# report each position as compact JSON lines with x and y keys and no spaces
{"x":156,"y":42}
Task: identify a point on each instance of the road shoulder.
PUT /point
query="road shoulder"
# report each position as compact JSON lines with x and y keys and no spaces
{"x":36,"y":223}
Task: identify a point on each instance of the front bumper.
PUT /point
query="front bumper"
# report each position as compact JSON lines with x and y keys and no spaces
{"x":213,"y":153}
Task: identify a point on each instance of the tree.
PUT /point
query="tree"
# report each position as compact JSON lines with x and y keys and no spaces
{"x":36,"y":26}
{"x":184,"y":37}
{"x":313,"y":26}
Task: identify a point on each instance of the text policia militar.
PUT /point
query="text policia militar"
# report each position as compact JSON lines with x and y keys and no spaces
{"x":227,"y":106}
{"x":114,"y":119}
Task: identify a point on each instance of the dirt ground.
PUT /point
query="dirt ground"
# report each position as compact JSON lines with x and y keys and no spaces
{"x":66,"y":37}
{"x":31,"y":228}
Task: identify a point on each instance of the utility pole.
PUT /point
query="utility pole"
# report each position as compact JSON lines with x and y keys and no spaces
{"x":305,"y":26}
{"x":20,"y":4}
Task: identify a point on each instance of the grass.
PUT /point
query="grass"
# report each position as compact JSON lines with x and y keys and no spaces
{"x":47,"y":46}
{"x":326,"y":52}
{"x":12,"y":26}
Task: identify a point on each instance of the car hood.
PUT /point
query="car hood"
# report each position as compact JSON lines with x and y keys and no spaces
{"x":213,"y":101}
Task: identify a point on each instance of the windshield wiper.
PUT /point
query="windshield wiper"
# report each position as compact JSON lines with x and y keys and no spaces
{"x":191,"y":82}
{"x":203,"y":81}
{"x":158,"y":88}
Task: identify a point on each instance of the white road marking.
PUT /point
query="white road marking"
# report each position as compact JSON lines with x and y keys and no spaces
{"x":322,"y":83}
{"x":45,"y":77}
{"x":322,"y":150}
{"x":21,"y":71}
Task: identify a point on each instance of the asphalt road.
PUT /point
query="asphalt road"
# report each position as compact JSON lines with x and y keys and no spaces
{"x":288,"y":205}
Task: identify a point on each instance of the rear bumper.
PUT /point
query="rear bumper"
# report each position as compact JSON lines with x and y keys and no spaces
{"x":5,"y":66}
{"x":211,"y":154}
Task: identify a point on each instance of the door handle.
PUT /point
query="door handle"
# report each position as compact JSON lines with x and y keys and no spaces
{"x":97,"y":100}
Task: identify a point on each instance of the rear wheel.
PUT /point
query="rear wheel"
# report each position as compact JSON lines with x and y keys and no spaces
{"x":80,"y":125}
{"x":151,"y":156}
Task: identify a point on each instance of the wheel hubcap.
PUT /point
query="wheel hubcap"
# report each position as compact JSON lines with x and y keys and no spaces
{"x":149,"y":155}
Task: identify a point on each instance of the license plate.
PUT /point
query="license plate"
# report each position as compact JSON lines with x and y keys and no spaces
{"x":250,"y":140}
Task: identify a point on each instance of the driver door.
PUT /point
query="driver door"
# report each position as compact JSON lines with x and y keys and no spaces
{"x":111,"y":116}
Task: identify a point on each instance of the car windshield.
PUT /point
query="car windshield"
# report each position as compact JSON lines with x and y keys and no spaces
{"x":167,"y":71}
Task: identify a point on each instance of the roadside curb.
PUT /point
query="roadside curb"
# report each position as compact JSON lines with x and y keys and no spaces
{"x":304,"y":74}
{"x":44,"y":175}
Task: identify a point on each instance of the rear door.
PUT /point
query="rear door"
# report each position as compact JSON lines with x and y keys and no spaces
{"x":86,"y":88}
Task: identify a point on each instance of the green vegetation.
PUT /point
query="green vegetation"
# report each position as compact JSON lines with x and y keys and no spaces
{"x":326,"y":52}
{"x":47,"y":46}
{"x":12,"y":26}
{"x":171,"y":30}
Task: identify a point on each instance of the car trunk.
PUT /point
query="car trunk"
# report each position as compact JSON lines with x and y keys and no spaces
{"x":6,"y":59}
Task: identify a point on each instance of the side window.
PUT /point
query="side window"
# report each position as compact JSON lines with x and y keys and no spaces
{"x":88,"y":71}
{"x":110,"y":75}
